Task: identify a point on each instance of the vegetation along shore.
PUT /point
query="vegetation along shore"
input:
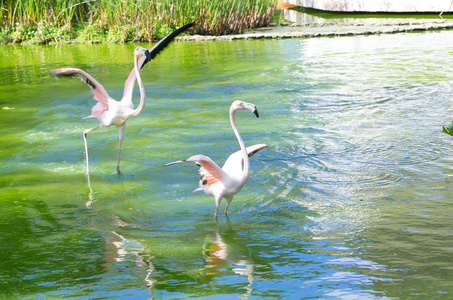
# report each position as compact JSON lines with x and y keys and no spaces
{"x":47,"y":21}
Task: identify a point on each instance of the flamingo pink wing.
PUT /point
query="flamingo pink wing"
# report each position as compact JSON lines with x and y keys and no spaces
{"x":210,"y":172}
{"x":99,"y":93}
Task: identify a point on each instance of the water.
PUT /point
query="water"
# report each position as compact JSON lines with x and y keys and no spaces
{"x":350,"y":200}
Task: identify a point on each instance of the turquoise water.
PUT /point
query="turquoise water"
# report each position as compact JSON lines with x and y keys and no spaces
{"x":350,"y":200}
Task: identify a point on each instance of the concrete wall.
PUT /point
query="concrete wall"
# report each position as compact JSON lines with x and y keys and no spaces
{"x":377,"y":5}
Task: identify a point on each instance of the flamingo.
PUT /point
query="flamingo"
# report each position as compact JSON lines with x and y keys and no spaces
{"x":225,"y":182}
{"x":109,"y":111}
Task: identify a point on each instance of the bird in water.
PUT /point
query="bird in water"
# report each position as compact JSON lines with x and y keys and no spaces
{"x":225,"y":182}
{"x":110,"y":111}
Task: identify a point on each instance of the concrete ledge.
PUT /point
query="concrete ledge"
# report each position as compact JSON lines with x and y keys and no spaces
{"x":388,"y":6}
{"x":330,"y":30}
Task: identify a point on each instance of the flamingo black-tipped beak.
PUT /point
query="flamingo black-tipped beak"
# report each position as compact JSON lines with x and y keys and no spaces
{"x":148,"y":55}
{"x":256,"y":113}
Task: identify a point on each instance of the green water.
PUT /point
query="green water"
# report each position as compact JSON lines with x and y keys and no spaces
{"x":350,"y":200}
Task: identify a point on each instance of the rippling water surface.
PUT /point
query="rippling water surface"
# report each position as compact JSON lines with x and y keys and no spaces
{"x":351,"y":198}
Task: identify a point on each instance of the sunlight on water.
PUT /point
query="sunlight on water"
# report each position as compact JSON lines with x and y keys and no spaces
{"x":350,"y":199}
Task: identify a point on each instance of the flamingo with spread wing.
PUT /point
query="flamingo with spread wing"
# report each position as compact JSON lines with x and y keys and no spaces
{"x":225,"y":182}
{"x":109,"y":111}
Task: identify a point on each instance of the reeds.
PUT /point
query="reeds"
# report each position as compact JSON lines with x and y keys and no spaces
{"x":126,"y":20}
{"x":34,"y":12}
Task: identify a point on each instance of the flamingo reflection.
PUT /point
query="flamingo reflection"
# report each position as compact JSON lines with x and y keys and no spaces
{"x":119,"y":249}
{"x":224,"y":250}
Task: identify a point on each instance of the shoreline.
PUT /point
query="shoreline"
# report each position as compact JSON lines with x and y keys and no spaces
{"x":306,"y":30}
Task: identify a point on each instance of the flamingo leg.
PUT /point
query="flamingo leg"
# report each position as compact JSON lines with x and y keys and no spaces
{"x":85,"y":132}
{"x":120,"y":134}
{"x":228,"y":201}
{"x":216,"y":211}
{"x":217,"y":202}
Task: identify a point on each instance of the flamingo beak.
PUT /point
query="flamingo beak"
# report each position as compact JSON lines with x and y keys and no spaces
{"x":256,"y":113}
{"x":148,"y":55}
{"x":251,"y":107}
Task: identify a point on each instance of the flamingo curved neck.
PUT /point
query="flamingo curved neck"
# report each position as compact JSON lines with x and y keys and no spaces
{"x":246,"y":169}
{"x":141,"y":106}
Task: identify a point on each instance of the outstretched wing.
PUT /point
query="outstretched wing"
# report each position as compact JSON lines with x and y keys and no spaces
{"x":210,"y":172}
{"x":100,"y":94}
{"x":234,"y":162}
{"x":159,"y":46}
{"x":166,"y":40}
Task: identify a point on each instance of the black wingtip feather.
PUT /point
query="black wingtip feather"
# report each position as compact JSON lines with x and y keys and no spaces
{"x":56,"y":74}
{"x":166,"y":40}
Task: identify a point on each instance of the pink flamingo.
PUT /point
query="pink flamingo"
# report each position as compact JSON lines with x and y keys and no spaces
{"x":225,"y":182}
{"x":109,"y":111}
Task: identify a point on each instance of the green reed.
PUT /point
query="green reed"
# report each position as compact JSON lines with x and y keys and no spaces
{"x":126,"y":20}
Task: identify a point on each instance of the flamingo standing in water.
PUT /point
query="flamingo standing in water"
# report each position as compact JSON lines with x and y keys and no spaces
{"x":109,"y":111}
{"x":225,"y":182}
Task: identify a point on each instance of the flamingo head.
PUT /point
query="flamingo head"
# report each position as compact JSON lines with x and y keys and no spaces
{"x":241,"y":105}
{"x":142,"y":51}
